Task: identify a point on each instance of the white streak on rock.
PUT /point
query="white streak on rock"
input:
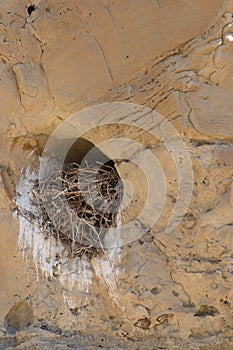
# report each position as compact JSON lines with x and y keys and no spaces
{"x":229,"y":37}
{"x":49,"y":256}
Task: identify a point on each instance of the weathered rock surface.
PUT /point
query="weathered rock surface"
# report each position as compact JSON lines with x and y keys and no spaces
{"x":19,"y":316}
{"x":171,"y":290}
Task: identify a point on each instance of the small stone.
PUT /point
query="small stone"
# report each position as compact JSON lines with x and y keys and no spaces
{"x":143,"y":323}
{"x":207,"y":310}
{"x":188,"y":304}
{"x":19,"y":316}
{"x":156,"y":290}
{"x":176,"y":294}
{"x":214,"y":286}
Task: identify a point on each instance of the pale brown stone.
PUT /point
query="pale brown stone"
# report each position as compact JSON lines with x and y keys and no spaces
{"x":19,"y":316}
{"x":175,"y":57}
{"x":208,"y":115}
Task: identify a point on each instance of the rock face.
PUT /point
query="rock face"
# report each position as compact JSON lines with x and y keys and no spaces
{"x":166,"y":289}
{"x":19,"y":316}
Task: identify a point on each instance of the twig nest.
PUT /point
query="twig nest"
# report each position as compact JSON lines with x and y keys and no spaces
{"x":78,"y":206}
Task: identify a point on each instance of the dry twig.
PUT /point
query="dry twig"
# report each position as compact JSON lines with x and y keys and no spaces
{"x":77,"y":206}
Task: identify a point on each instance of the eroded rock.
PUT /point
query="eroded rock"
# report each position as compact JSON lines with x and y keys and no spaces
{"x":19,"y":316}
{"x":62,"y":57}
{"x":207,"y":310}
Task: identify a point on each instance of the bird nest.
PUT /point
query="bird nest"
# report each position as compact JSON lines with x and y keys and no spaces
{"x":77,"y":206}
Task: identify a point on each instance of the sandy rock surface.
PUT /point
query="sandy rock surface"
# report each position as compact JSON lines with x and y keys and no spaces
{"x":164,"y":290}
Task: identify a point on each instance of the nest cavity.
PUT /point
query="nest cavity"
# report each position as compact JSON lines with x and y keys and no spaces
{"x":77,"y":206}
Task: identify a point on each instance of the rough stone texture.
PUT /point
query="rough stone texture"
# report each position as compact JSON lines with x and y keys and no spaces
{"x":173,"y":290}
{"x":19,"y":316}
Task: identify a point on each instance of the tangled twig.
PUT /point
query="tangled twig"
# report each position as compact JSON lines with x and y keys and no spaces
{"x":77,"y":206}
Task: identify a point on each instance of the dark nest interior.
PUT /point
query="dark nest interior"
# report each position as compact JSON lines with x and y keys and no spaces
{"x":84,"y":206}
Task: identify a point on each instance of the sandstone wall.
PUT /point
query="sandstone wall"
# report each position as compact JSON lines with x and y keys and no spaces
{"x":57,"y":57}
